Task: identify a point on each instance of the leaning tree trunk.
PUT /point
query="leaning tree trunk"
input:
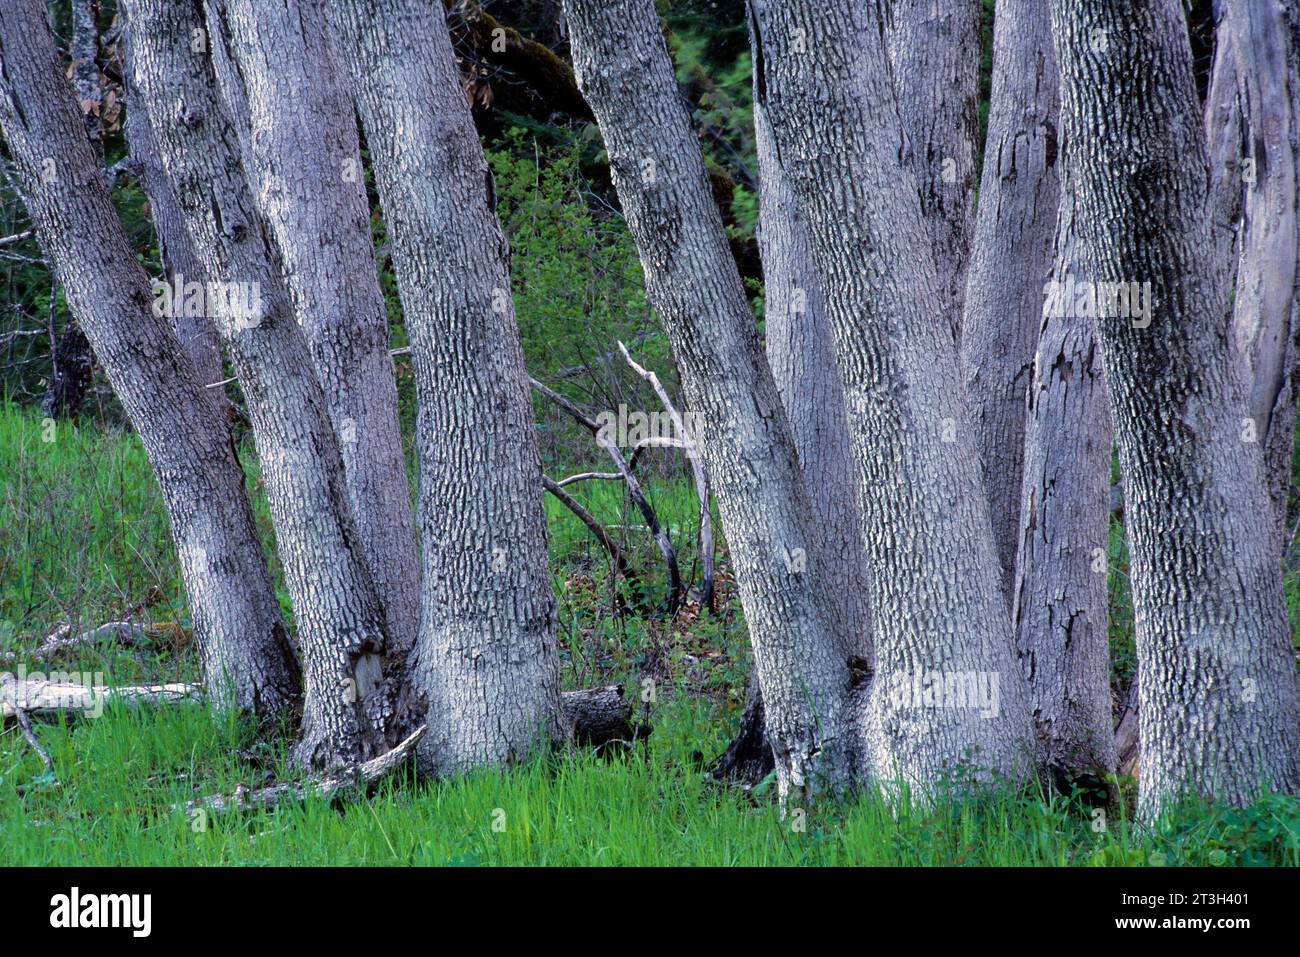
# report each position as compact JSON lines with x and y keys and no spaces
{"x":1060,"y":603}
{"x":801,"y":353}
{"x":485,"y":658}
{"x":180,"y":262}
{"x":941,"y":622}
{"x":310,"y":184}
{"x":1217,"y":683}
{"x":934,"y":56}
{"x":1253,"y":124}
{"x":340,"y":623}
{"x":1011,"y":258}
{"x":625,"y":73}
{"x":72,"y":363}
{"x":246,"y":657}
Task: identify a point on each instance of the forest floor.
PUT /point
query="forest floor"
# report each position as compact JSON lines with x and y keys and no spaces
{"x":84,"y":540}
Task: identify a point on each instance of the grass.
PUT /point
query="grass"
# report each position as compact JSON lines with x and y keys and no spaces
{"x":83,"y":537}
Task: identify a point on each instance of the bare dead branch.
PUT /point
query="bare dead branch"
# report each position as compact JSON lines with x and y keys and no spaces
{"x":62,"y":639}
{"x":328,"y":788}
{"x":30,"y":735}
{"x":698,"y":470}
{"x":598,"y":530}
{"x":633,"y":487}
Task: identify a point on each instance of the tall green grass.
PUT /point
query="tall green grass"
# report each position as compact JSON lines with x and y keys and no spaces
{"x":83,"y":538}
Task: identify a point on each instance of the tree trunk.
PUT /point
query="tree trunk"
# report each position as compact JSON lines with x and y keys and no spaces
{"x":1217,"y":683}
{"x":1012,"y":257}
{"x":485,"y":659}
{"x":1253,"y":123}
{"x":801,"y":353}
{"x":1061,"y":601}
{"x":72,"y":363}
{"x":310,"y":184}
{"x":181,"y":264}
{"x":340,"y":623}
{"x":943,"y":636}
{"x":625,"y":73}
{"x":934,"y":55}
{"x":246,"y":657}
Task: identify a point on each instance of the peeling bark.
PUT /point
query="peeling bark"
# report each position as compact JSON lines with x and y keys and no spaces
{"x":1012,"y":257}
{"x":1060,"y":606}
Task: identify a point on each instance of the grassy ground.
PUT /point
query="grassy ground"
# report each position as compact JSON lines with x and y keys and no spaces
{"x":83,"y":538}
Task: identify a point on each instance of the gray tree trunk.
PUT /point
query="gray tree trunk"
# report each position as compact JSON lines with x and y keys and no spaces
{"x":72,"y":363}
{"x":181,"y":264}
{"x":801,"y":353}
{"x":1253,"y":125}
{"x":340,"y":623}
{"x":485,"y":658}
{"x":1220,"y":712}
{"x":1060,"y":603}
{"x":246,"y":657}
{"x":934,"y":55}
{"x":624,"y":71}
{"x":941,"y":619}
{"x":1012,"y":257}
{"x":310,"y":184}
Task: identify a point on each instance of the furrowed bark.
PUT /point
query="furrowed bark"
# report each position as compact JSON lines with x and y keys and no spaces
{"x":72,"y":363}
{"x":934,"y":55}
{"x":1060,"y":606}
{"x":625,"y":73}
{"x":340,"y":622}
{"x":943,"y":636}
{"x":1217,"y":684}
{"x":311,"y":186}
{"x":801,"y":353}
{"x":485,"y":658}
{"x":1011,"y":257}
{"x":246,"y":657}
{"x":181,"y":264}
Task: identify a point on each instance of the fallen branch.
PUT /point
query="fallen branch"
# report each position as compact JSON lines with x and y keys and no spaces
{"x":39,"y":697}
{"x":633,"y":488}
{"x":328,"y":788}
{"x":62,"y":639}
{"x":697,"y":470}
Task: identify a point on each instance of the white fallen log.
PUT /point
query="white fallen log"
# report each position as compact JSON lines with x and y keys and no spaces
{"x":40,"y":697}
